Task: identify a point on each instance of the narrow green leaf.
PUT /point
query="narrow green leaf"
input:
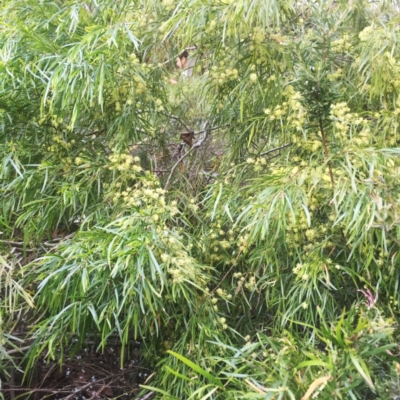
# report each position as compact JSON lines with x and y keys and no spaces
{"x":310,"y":363}
{"x":177,"y":374}
{"x":362,"y":369}
{"x":338,"y":330}
{"x":163,"y":392}
{"x":197,"y":368}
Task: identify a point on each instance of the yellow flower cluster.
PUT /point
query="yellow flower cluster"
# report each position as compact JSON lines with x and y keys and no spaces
{"x":311,"y":234}
{"x":341,"y":45}
{"x":293,"y":98}
{"x":223,"y":294}
{"x":258,"y":35}
{"x":253,"y":77}
{"x":310,"y":142}
{"x":130,"y":188}
{"x":277,"y":113}
{"x":243,"y":243}
{"x":169,"y":4}
{"x":212,"y":25}
{"x":220,"y":74}
{"x":140,"y":86}
{"x":380,"y":324}
{"x":144,"y":196}
{"x":277,"y":170}
{"x":180,"y":266}
{"x":340,"y":110}
{"x":130,"y":89}
{"x":124,"y":162}
{"x":251,"y":283}
{"x":258,"y":163}
{"x":220,"y":242}
{"x":344,"y":120}
{"x":366,"y":33}
{"x":338,"y":74}
{"x":176,"y":275}
{"x":159,"y":105}
{"x":223,"y":323}
{"x":154,"y":211}
{"x":80,"y":160}
{"x":192,"y":205}
{"x":55,"y":121}
{"x":60,"y":149}
{"x":308,"y":237}
{"x":382,"y":71}
{"x":138,"y":20}
{"x":59,"y":143}
{"x":292,"y":108}
{"x":301,"y":271}
{"x":295,"y":229}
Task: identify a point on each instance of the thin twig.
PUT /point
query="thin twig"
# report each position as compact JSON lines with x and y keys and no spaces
{"x":47,"y":243}
{"x":19,"y":350}
{"x":179,"y":120}
{"x":50,"y":370}
{"x":197,"y":144}
{"x":214,"y":128}
{"x":275,"y":149}
{"x":241,"y":283}
{"x":58,"y":240}
{"x":12,"y":383}
{"x":28,"y":390}
{"x":393,"y":238}
{"x":271,"y":158}
{"x":96,"y":132}
{"x":82,"y":388}
{"x":147,"y":396}
{"x":224,"y":277}
{"x":11,"y":243}
{"x":321,"y":128}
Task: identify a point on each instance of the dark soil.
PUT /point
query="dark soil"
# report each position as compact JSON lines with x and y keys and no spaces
{"x":89,"y":374}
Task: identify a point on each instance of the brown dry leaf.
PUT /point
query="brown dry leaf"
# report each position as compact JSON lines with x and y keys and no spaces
{"x":256,"y":388}
{"x":188,"y":138}
{"x":318,"y":382}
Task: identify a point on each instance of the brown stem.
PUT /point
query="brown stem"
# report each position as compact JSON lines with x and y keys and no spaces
{"x":28,"y":390}
{"x":197,"y":144}
{"x":275,"y":149}
{"x":330,"y":172}
{"x":321,"y":128}
{"x":219,"y":284}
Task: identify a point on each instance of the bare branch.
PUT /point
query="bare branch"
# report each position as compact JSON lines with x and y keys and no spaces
{"x":198,"y":143}
{"x":178,"y":120}
{"x":321,"y":128}
{"x":147,"y":396}
{"x":18,"y":350}
{"x":275,"y":149}
{"x":214,"y":128}
{"x":84,"y":387}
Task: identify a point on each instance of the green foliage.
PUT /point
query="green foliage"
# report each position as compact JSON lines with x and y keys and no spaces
{"x":269,"y":267}
{"x":15,"y":300}
{"x":336,"y":358}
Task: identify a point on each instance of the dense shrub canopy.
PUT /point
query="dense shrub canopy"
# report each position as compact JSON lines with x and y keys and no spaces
{"x":240,"y":218}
